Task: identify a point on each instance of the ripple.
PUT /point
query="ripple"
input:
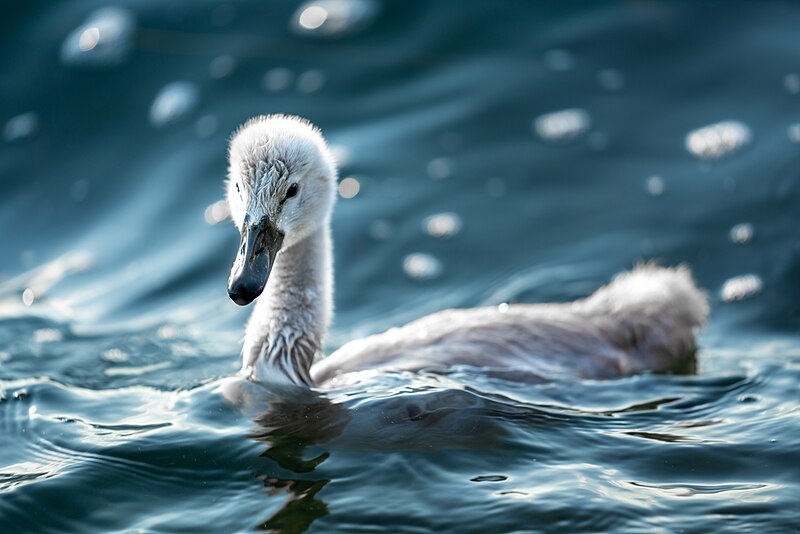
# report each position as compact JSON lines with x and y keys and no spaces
{"x":718,"y":140}
{"x":174,"y":102}
{"x":333,"y":18}
{"x":104,"y":40}
{"x":562,"y":125}
{"x":489,"y":478}
{"x":741,"y":287}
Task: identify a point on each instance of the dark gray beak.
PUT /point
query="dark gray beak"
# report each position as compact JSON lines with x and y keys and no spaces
{"x":260,"y":244}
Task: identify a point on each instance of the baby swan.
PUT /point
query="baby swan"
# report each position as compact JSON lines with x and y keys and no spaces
{"x":281,"y":190}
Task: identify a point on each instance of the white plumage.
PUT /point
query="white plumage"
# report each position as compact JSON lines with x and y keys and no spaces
{"x":282,"y":174}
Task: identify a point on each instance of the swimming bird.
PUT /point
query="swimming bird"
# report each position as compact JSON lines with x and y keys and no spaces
{"x":281,"y":190}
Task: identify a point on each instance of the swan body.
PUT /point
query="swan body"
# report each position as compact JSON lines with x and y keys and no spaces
{"x":281,"y":191}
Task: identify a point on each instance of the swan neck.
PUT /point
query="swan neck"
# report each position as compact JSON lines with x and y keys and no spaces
{"x":290,"y":320}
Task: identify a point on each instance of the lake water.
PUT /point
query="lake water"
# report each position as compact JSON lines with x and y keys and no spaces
{"x":116,"y":330}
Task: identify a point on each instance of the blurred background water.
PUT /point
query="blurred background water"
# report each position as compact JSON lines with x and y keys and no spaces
{"x":489,"y":152}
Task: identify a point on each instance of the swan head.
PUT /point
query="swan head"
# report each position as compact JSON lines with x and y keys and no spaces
{"x":281,"y":188}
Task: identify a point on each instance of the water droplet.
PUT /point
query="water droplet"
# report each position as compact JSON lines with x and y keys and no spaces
{"x":791,"y":83}
{"x":349,"y":187}
{"x":310,"y":81}
{"x":381,"y":230}
{"x":421,"y":267}
{"x":79,"y":190}
{"x":174,"y":102}
{"x":21,"y":127}
{"x":741,"y":233}
{"x":206,"y":126}
{"x":223,"y":15}
{"x":562,"y":125}
{"x":655,"y":186}
{"x":559,"y":60}
{"x":442,"y":225}
{"x":221,"y":67}
{"x":28,"y":296}
{"x":717,"y":140}
{"x":741,"y":287}
{"x":502,"y":307}
{"x":495,"y":187}
{"x":217,"y":212}
{"x":277,"y":79}
{"x":794,"y":133}
{"x":104,"y":40}
{"x":610,"y":79}
{"x":440,"y":168}
{"x":333,"y":18}
{"x":47,"y":335}
{"x":489,"y":478}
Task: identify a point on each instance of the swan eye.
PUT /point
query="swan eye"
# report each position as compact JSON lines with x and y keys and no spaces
{"x":292,"y":191}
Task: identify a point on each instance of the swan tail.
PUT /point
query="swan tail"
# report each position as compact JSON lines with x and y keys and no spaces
{"x":652,"y":291}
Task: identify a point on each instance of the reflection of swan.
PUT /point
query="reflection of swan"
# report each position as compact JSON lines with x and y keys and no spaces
{"x":281,"y":191}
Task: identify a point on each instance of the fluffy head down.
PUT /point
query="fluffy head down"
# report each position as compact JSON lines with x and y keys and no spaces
{"x":652,"y":290}
{"x":282,"y":170}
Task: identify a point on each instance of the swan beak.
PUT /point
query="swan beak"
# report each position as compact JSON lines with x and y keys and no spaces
{"x":260,"y":244}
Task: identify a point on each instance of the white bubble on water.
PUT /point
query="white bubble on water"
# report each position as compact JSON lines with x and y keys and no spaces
{"x":559,"y":60}
{"x":310,"y":81}
{"x":174,"y":102}
{"x":277,"y":79}
{"x":115,"y":355}
{"x":105,"y":39}
{"x":349,"y":187}
{"x":217,"y":212}
{"x":718,"y":140}
{"x":21,"y":127}
{"x":794,"y":133}
{"x":28,"y":297}
{"x":742,"y":233}
{"x":655,"y":186}
{"x":611,"y":80}
{"x":442,"y":225}
{"x":221,"y":67}
{"x":562,"y":125}
{"x":206,"y":126}
{"x":440,"y":168}
{"x":741,"y":287}
{"x":47,"y":335}
{"x":381,"y":229}
{"x":791,"y":83}
{"x":421,"y":267}
{"x":333,"y":18}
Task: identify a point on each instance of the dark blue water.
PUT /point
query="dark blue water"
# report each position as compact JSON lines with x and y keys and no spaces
{"x":116,"y":331}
